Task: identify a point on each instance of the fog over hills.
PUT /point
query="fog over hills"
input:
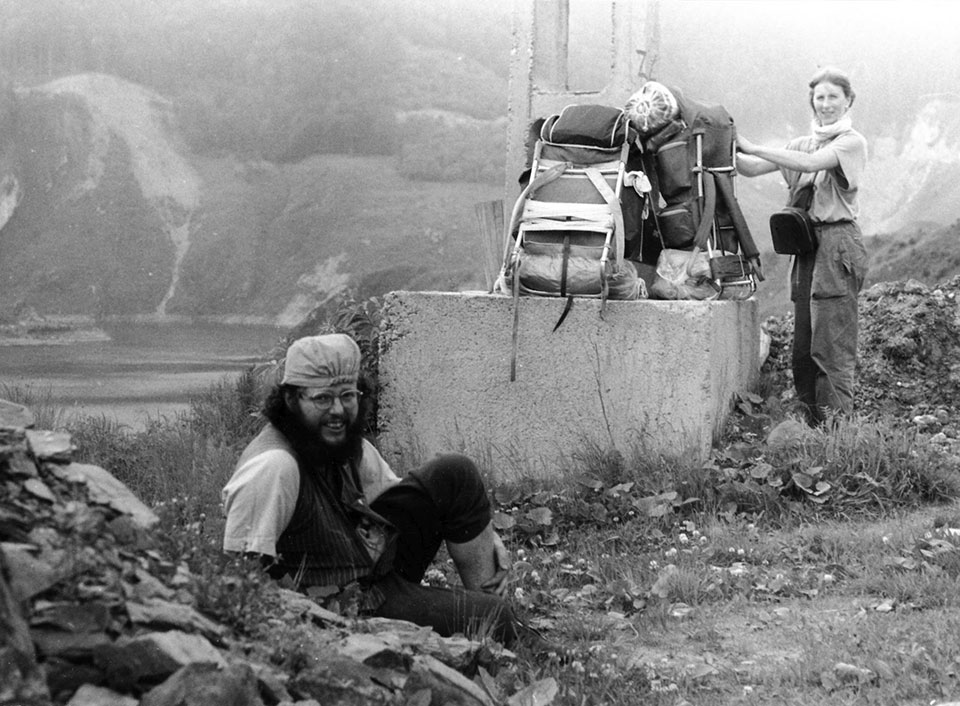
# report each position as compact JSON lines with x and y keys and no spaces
{"x":250,"y":161}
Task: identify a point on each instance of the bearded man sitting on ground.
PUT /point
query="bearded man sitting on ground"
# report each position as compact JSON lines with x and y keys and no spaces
{"x":317,"y":501}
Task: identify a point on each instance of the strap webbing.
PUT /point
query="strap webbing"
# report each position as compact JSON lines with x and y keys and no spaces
{"x":748,"y":247}
{"x":566,"y":310}
{"x":514,"y":338}
{"x":540,"y":180}
{"x":563,"y":264}
{"x":613,"y":202}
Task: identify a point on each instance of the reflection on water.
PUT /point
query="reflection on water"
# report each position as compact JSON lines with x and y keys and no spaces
{"x":143,"y":371}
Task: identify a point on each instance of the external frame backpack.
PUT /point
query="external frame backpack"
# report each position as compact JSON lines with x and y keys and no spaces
{"x":566,"y":234}
{"x":689,"y":157}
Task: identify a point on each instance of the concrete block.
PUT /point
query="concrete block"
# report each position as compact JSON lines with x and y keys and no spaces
{"x":653,"y":375}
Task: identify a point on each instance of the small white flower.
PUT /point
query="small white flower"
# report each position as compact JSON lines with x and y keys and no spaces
{"x":671,"y":552}
{"x":682,"y":538}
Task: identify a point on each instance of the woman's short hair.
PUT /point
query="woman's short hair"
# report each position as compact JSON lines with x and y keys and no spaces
{"x":830,"y":74}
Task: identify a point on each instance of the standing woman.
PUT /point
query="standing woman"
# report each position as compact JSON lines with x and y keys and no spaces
{"x":824,"y":284}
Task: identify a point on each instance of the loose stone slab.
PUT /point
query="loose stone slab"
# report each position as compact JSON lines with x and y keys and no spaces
{"x":15,"y":416}
{"x":104,"y":489}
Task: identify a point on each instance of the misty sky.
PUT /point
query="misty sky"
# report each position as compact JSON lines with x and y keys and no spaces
{"x":834,"y":30}
{"x":919,"y":18}
{"x":751,"y":54}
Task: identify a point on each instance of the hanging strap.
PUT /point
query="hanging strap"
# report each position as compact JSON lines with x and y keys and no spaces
{"x":724,"y":182}
{"x":563,"y":315}
{"x":514,"y":338}
{"x":542,"y":179}
{"x":701,"y":241}
{"x":707,"y":212}
{"x":649,"y":168}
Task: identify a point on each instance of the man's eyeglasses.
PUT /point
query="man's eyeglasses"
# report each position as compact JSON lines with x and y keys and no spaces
{"x":324,"y":400}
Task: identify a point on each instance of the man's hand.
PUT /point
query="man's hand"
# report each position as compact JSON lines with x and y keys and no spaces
{"x":503,"y":562}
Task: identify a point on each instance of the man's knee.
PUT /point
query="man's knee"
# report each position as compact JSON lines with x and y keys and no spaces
{"x":450,"y":468}
{"x":449,"y":477}
{"x":455,"y":486}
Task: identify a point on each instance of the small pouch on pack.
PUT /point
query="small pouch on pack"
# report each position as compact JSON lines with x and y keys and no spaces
{"x":677,"y":226}
{"x":674,"y":169}
{"x":729,"y":267}
{"x":734,"y":274}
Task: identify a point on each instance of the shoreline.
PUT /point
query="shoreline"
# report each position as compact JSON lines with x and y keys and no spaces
{"x":69,"y":330}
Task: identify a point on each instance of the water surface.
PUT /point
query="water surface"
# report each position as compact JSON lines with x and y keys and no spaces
{"x":144,"y":371}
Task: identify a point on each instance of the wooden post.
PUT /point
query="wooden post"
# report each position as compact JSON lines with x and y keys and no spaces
{"x":490,"y":220}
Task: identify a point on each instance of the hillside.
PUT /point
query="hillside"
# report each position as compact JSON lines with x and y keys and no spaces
{"x":107,"y":212}
{"x":118,"y":218}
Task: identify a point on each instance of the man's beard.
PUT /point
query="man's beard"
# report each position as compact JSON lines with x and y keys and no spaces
{"x":313,"y":451}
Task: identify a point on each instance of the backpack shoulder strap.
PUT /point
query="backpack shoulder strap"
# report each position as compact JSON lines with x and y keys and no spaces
{"x":613,"y":202}
{"x":708,"y":211}
{"x":724,"y":183}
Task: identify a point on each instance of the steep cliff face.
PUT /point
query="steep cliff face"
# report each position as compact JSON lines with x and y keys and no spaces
{"x":103,"y":192}
{"x":914,"y":181}
{"x":10,"y":190}
{"x":104,"y":213}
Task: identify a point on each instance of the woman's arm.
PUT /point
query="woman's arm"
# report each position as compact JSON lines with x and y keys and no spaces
{"x":824,"y":158}
{"x":751,"y":166}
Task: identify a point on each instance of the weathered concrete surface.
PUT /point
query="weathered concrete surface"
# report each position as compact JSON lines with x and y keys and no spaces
{"x":658,"y":375}
{"x":539,"y":75}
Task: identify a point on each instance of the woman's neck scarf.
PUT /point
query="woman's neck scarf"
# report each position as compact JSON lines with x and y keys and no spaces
{"x":825,"y":133}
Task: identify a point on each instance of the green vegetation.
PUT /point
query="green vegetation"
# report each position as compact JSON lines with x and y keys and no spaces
{"x":823,"y":569}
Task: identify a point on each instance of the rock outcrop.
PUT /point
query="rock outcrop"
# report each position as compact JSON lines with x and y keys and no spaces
{"x":94,"y":613}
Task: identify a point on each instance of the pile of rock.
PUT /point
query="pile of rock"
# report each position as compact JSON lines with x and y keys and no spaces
{"x":908,"y":355}
{"x":91,"y":613}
